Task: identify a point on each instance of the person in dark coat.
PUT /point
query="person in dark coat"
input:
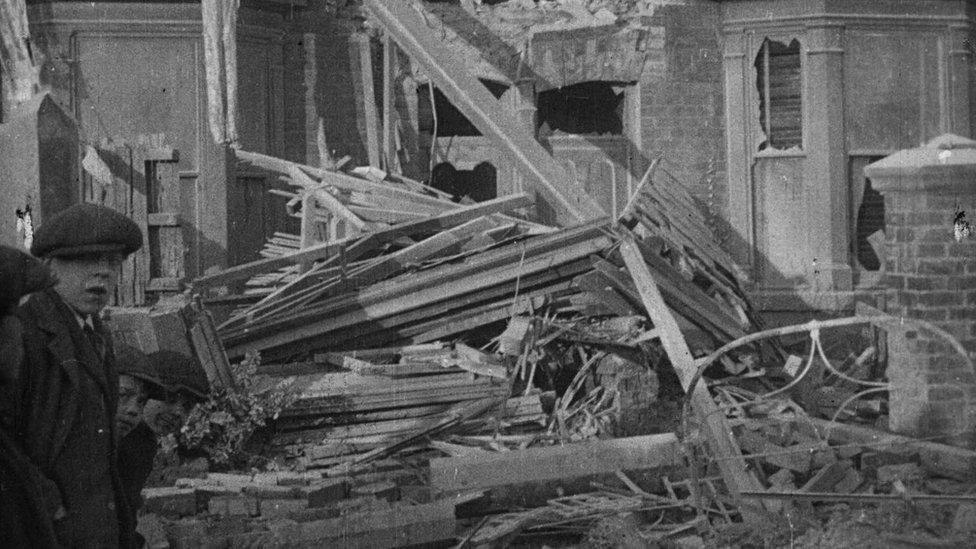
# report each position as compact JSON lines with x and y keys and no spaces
{"x":25,"y":520}
{"x":185,"y":385}
{"x":138,"y":382}
{"x":67,"y":389}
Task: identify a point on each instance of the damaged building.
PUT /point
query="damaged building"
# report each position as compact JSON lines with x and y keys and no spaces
{"x":615,"y":273}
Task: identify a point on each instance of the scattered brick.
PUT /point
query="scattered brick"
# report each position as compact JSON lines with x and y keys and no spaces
{"x":326,"y":491}
{"x":851,"y":481}
{"x":380,"y":490}
{"x":904,"y":472}
{"x":281,"y":508}
{"x":965,"y":518}
{"x":234,"y":506}
{"x":272,"y":491}
{"x":170,"y":501}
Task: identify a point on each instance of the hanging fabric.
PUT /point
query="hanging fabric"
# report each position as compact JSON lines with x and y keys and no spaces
{"x":220,"y":62}
{"x":21,"y":72}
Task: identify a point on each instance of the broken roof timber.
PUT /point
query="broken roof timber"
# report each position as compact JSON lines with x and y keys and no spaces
{"x":329,"y":249}
{"x":554,"y":185}
{"x":725,"y":451}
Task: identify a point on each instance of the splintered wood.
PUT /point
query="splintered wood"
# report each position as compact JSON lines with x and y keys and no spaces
{"x":431,"y":328}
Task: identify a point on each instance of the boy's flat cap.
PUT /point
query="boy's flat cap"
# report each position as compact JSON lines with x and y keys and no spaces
{"x":180,"y":373}
{"x":133,"y":362}
{"x":85,"y":229}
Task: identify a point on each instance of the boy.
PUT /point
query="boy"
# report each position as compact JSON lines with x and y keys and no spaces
{"x":62,"y":411}
{"x":185,"y":385}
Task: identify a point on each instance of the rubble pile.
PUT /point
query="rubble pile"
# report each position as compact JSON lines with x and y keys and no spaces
{"x":461,"y":375}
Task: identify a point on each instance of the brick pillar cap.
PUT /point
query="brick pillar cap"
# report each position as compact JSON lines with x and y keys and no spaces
{"x":945,"y":163}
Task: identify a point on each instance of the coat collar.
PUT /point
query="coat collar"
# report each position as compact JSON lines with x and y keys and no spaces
{"x":65,"y":339}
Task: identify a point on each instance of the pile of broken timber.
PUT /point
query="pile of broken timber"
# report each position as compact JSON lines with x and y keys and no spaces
{"x":467,"y":266}
{"x":387,"y":397}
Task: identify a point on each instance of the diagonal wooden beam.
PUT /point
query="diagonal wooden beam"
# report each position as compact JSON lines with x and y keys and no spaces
{"x":725,"y":451}
{"x":556,"y":188}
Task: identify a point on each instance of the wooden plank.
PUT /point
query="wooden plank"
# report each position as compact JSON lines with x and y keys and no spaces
{"x":724,"y":450}
{"x":495,"y":121}
{"x":370,"y":115}
{"x":307,"y":229}
{"x":379,"y":215}
{"x":164,"y":226}
{"x":390,"y":160}
{"x":441,"y":312}
{"x":329,"y":202}
{"x":349,"y":183}
{"x":686,"y":299}
{"x":328,"y":249}
{"x":419,"y":397}
{"x":491,"y":470}
{"x":474,"y":269}
{"x":390,"y":264}
{"x":409,"y":296}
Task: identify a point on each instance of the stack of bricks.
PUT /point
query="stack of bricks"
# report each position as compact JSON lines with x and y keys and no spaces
{"x":382,"y":505}
{"x":930,"y":275}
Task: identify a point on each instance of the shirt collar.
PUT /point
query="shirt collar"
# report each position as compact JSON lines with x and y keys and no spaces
{"x":83,"y":321}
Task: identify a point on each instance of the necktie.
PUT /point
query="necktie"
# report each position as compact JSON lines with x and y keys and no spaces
{"x":96,"y":340}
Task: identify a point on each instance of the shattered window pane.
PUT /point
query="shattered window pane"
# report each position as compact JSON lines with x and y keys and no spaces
{"x":778,"y":81}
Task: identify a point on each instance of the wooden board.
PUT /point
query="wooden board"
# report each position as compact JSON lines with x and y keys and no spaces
{"x":458,"y":474}
{"x":329,"y":249}
{"x":725,"y":451}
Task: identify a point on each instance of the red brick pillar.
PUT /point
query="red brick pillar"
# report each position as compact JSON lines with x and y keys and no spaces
{"x":930,"y":276}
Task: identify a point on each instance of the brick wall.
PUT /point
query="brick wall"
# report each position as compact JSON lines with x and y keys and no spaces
{"x":682,"y":105}
{"x":930,"y":276}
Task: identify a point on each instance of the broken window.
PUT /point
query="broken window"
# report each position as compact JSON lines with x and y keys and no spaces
{"x":870,"y":220}
{"x":449,"y":121}
{"x":779,"y":84}
{"x":587,"y":108}
{"x":478,"y":184}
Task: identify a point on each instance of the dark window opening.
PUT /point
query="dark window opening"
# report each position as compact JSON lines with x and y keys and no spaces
{"x":478,"y":184}
{"x":870,"y":219}
{"x":588,"y":108}
{"x":450,"y":120}
{"x":780,"y":103}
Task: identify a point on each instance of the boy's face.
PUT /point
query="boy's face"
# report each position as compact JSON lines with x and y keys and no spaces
{"x":86,"y":282}
{"x":167,"y":418}
{"x":132,"y":400}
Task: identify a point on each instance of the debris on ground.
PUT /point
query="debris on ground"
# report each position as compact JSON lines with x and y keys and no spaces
{"x":459,"y":375}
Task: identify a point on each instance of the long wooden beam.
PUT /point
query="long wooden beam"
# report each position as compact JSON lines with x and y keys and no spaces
{"x":491,"y":470}
{"x":715,"y":426}
{"x":321,"y":251}
{"x":556,"y":187}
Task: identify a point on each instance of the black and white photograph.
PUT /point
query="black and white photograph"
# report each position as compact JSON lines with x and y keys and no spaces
{"x":488,"y":274}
